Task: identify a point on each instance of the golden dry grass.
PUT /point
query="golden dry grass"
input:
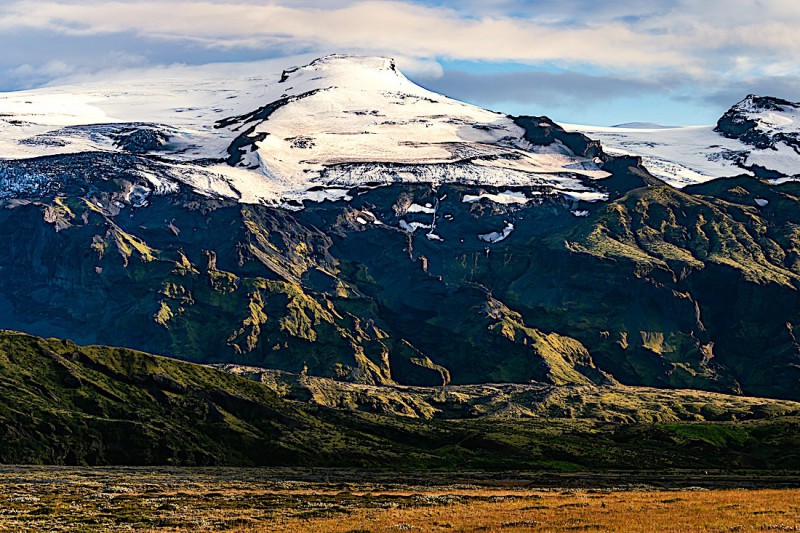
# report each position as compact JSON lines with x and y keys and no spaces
{"x":678,"y":511}
{"x":260,"y":500}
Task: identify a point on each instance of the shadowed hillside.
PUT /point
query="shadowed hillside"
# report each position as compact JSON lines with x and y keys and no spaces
{"x":65,"y":404}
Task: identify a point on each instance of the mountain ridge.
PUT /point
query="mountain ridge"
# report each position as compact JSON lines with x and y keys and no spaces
{"x":400,"y":277}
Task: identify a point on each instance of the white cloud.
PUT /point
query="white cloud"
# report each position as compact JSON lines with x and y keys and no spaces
{"x":685,"y":48}
{"x":122,"y":73}
{"x":63,"y":69}
{"x":424,"y":68}
{"x":645,"y":37}
{"x":51,"y":68}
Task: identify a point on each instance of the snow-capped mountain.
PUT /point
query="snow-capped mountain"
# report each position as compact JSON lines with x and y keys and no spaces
{"x":315,"y":132}
{"x":310,"y":132}
{"x":772,"y":126}
{"x":759,"y":136}
{"x":458,"y":246}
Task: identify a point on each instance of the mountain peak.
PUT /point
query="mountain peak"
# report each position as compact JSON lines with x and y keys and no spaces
{"x":337,"y":123}
{"x":372,"y":62}
{"x":765,"y":122}
{"x":754,"y":102}
{"x":343,"y":65}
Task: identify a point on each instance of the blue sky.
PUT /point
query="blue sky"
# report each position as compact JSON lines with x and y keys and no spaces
{"x":581,"y":61}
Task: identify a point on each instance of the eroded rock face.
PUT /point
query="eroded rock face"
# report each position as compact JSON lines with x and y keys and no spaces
{"x":212,"y":281}
{"x":660,"y":287}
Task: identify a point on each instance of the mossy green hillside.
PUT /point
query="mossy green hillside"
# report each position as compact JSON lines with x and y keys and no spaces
{"x":658,"y":287}
{"x":65,"y":404}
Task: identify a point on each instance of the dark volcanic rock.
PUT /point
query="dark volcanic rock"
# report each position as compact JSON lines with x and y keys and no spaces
{"x":738,"y":122}
{"x":140,"y":140}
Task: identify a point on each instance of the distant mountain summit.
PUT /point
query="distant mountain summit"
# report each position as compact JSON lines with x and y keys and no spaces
{"x":767,"y":123}
{"x":759,"y":136}
{"x":642,"y":126}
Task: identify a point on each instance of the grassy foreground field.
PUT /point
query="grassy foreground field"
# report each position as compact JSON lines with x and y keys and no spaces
{"x":108,"y":499}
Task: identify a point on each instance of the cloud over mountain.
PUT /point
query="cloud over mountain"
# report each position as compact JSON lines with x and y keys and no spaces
{"x":705,"y":49}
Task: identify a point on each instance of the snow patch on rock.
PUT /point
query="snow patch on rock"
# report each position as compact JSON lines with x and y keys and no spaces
{"x":505,"y":197}
{"x":496,"y":236}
